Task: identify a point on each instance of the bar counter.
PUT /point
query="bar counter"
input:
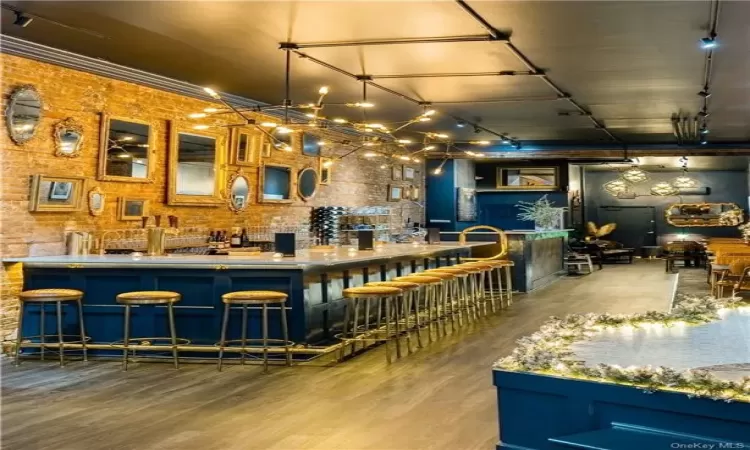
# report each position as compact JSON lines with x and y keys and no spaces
{"x":313,"y":279}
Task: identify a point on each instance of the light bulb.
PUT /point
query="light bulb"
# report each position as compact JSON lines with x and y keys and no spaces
{"x":197,"y":115}
{"x":361,"y":105}
{"x":200,"y":127}
{"x":286,"y":147}
{"x":442,"y":136}
{"x":374,"y":125}
{"x":339,"y":120}
{"x":130,"y":138}
{"x":211,"y":110}
{"x":328,"y":163}
{"x":404,"y":157}
{"x":470,"y":153}
{"x":283,"y":130}
{"x":424,"y":119}
{"x":416,"y":159}
{"x":323,"y":90}
{"x":429,"y":147}
{"x":483,"y":142}
{"x":369,"y":144}
{"x":479,"y":155}
{"x":370,"y":155}
{"x":429,"y":112}
{"x":269,"y":124}
{"x":310,"y":115}
{"x":322,"y":143}
{"x":211,"y":92}
{"x":383,"y":166}
{"x":438,"y":171}
{"x":404,"y":141}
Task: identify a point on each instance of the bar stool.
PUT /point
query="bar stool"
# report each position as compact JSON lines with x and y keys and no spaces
{"x":143,"y":298}
{"x":428,"y":292}
{"x":43,"y":297}
{"x":354,"y":296}
{"x":256,"y":298}
{"x":402,"y":309}
{"x":444,"y":296}
{"x":480,"y":280}
{"x":459,"y":290}
{"x":500,"y":266}
{"x":471,"y":291}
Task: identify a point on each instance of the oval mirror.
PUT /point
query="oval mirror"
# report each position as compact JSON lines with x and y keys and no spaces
{"x":239,"y":191}
{"x":96,"y":201}
{"x":68,"y":138}
{"x":307,"y":183}
{"x":23,"y":114}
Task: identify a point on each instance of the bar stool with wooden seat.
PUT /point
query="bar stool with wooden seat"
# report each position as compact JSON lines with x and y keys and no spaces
{"x":255,"y":298}
{"x":444,"y":296}
{"x":427,"y":295}
{"x":402,"y":309}
{"x":44,"y":297}
{"x":354,"y":297}
{"x":458,"y":289}
{"x":149,"y":298}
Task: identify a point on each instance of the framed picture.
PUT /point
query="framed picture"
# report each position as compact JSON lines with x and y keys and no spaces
{"x":310,"y":145}
{"x":414,"y":193}
{"x":60,"y":190}
{"x":397,"y":173}
{"x":408,"y":173}
{"x":325,"y":170}
{"x":265,"y":148}
{"x":395,"y":193}
{"x":132,"y":208}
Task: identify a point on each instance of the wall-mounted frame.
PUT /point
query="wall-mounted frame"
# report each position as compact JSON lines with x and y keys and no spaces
{"x":196,"y":166}
{"x":409,"y":173}
{"x":704,"y":215}
{"x":246,"y":145}
{"x":275,"y":183}
{"x":310,"y":145}
{"x":24,"y":113}
{"x":68,"y":137}
{"x":325,"y":171}
{"x":126,"y":150}
{"x":397,"y":173}
{"x":96,"y":201}
{"x":132,"y":208}
{"x":238,"y":191}
{"x":528,"y":178}
{"x":395,"y":193}
{"x":56,"y":194}
{"x":414,"y":193}
{"x":307,"y":183}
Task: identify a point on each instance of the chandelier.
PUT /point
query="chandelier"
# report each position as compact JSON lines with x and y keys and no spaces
{"x":616,"y":186}
{"x":684,"y":181}
{"x":664,"y":189}
{"x":635,"y":175}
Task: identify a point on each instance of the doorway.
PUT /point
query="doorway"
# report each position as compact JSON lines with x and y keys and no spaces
{"x":636,"y":225}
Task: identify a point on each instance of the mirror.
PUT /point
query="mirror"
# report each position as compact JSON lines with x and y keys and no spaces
{"x":56,"y":194}
{"x":275,"y":183}
{"x":68,"y":138}
{"x":307,"y":183}
{"x":395,"y":193}
{"x":704,"y":215}
{"x":132,"y":208}
{"x":310,"y":145}
{"x":125,"y":149}
{"x":195,"y":162}
{"x":527,"y":178}
{"x":96,"y":201}
{"x":239,"y":191}
{"x":246,"y":146}
{"x":326,"y":166}
{"x":23,"y":114}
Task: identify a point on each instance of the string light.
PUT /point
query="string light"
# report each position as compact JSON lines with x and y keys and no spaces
{"x":323,"y":90}
{"x":269,"y":124}
{"x":197,"y":115}
{"x":404,"y":141}
{"x":212,"y":93}
{"x":339,"y":120}
{"x":210,"y":110}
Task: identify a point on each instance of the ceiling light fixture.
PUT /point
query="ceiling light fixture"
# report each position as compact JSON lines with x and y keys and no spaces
{"x":339,"y":120}
{"x":439,"y":169}
{"x":634,"y":175}
{"x":684,"y":181}
{"x":200,"y":127}
{"x":460,"y":124}
{"x":210,"y":110}
{"x":269,"y":124}
{"x":323,"y":90}
{"x":664,"y":189}
{"x":708,"y":43}
{"x":404,"y":141}
{"x":704,"y":93}
{"x":212,"y":93}
{"x":616,"y":186}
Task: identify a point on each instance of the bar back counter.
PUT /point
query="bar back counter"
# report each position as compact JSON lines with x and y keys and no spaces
{"x":312,"y":279}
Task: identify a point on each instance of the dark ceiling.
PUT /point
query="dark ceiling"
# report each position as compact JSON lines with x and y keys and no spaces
{"x":631,"y":64}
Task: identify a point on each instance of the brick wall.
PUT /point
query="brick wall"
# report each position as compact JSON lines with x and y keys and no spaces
{"x":356,"y":181}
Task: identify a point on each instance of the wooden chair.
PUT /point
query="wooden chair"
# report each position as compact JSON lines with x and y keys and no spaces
{"x":732,"y":277}
{"x":743,"y":284}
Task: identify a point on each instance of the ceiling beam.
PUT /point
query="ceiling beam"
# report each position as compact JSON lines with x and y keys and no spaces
{"x":363,"y":43}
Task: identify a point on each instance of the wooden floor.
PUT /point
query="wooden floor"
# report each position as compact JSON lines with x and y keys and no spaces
{"x":440,"y":397}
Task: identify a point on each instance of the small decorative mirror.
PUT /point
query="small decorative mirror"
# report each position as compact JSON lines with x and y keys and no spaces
{"x":132,"y":208}
{"x":56,"y":194}
{"x":307,"y":183}
{"x":125,"y":150}
{"x":275,"y":183}
{"x":246,"y":146}
{"x":96,"y":201}
{"x":238,"y":189}
{"x":68,"y":138}
{"x":24,"y":113}
{"x":195,"y":161}
{"x":310,"y":145}
{"x":326,"y":165}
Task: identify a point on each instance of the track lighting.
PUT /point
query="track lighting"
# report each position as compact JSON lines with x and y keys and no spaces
{"x":477,"y":129}
{"x":439,"y":169}
{"x":704,"y":93}
{"x":22,"y":20}
{"x":708,"y":43}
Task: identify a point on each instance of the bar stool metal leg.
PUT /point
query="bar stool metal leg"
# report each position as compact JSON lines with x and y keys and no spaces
{"x":19,"y":334}
{"x":82,"y":330}
{"x":355,"y":327}
{"x":407,"y":299}
{"x":509,"y":284}
{"x":387,"y":328}
{"x":493,"y":297}
{"x":41,"y":330}
{"x":285,"y":335}
{"x":173,"y":334}
{"x":344,"y":332}
{"x":265,"y":338}
{"x":243,"y":336}
{"x":394,"y":304}
{"x":60,"y":339}
{"x":223,"y":340}
{"x":126,"y":338}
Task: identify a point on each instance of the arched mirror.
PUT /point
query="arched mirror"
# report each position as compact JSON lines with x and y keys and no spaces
{"x":238,"y":189}
{"x":96,"y":201}
{"x":307,"y":183}
{"x":68,"y":138}
{"x":24,"y":113}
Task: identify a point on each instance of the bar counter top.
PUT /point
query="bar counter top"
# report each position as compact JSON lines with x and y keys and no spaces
{"x":304,"y":259}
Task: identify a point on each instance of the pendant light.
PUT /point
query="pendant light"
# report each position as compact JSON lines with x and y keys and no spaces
{"x":635,"y":175}
{"x":664,"y":189}
{"x":684,"y":181}
{"x":616,"y":186}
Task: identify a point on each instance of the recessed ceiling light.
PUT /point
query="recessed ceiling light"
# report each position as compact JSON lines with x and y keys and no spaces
{"x":708,"y":43}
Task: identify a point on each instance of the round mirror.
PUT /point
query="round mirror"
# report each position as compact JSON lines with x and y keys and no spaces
{"x":23,"y":114}
{"x":307,"y":183}
{"x":239,"y":192}
{"x":68,"y":138}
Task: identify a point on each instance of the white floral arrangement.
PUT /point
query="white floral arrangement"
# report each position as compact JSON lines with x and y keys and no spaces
{"x":542,"y":212}
{"x":745,"y":230}
{"x":548,"y":351}
{"x":730,"y":218}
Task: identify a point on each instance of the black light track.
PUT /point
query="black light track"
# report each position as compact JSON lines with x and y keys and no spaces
{"x":363,"y":43}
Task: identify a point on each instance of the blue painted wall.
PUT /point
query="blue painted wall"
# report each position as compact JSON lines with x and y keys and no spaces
{"x":498,"y":208}
{"x":441,"y":195}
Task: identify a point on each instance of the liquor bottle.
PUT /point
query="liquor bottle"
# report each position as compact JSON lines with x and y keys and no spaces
{"x":244,"y":239}
{"x":235,"y":241}
{"x":211,"y":237}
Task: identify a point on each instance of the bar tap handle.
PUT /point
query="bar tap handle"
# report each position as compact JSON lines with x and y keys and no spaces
{"x":174,"y":222}
{"x":144,"y":220}
{"x":157,"y":220}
